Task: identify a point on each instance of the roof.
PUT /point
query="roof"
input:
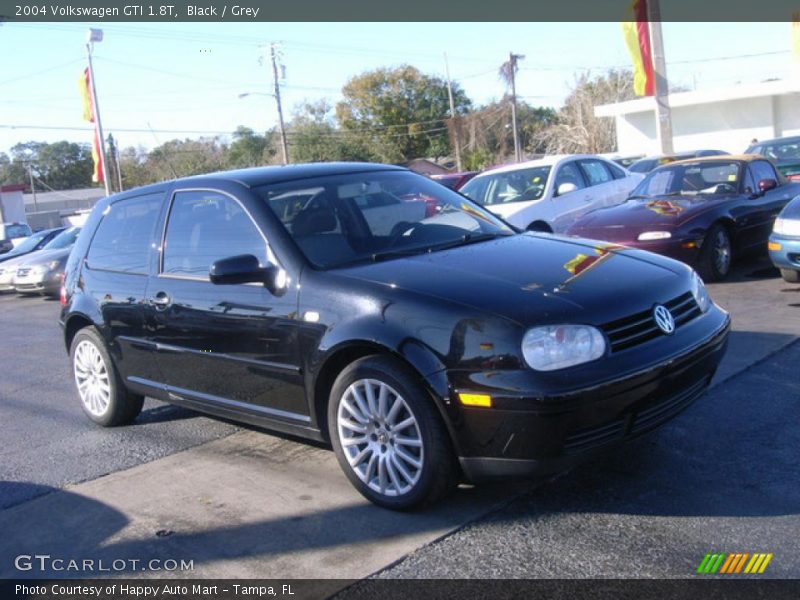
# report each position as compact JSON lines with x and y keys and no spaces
{"x":12,"y":187}
{"x":787,"y":139}
{"x":709,"y":96}
{"x":721,"y":158}
{"x":547,"y":161}
{"x":278,"y":174}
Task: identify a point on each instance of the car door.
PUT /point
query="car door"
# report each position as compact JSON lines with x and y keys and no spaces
{"x":604,"y":189}
{"x":565,"y":209}
{"x":758,"y":213}
{"x":230,"y":346}
{"x":115,"y":275}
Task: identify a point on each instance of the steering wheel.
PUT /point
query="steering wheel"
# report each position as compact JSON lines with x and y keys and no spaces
{"x":399,"y":230}
{"x":725,"y":188}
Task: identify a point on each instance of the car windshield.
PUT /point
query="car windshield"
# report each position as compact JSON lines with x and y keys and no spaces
{"x":28,"y":244}
{"x":64,"y":239}
{"x":378,"y":215}
{"x":781,"y":151}
{"x":508,"y":186}
{"x":691,"y":179}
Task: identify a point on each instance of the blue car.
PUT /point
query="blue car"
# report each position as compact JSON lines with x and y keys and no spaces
{"x":784,"y":243}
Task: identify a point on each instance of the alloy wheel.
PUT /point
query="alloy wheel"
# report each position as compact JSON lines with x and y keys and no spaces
{"x":722,"y":252}
{"x":380,"y":437}
{"x":92,"y":378}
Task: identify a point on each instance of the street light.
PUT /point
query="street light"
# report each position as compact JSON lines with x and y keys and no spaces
{"x":284,"y":147}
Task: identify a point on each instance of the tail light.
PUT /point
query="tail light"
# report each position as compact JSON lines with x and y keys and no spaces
{"x":793,"y":177}
{"x":63,"y":293}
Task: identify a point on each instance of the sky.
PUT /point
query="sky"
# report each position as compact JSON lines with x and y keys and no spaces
{"x":157,"y":82}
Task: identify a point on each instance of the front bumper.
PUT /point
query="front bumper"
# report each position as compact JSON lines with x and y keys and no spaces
{"x":788,"y":255}
{"x":672,"y":248}
{"x":48,"y":282}
{"x":538,"y":435}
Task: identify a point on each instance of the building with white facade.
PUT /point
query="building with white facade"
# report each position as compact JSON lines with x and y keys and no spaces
{"x":721,"y":119}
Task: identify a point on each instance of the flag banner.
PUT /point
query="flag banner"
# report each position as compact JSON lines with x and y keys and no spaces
{"x":637,"y":39}
{"x":796,"y":35}
{"x":85,"y":86}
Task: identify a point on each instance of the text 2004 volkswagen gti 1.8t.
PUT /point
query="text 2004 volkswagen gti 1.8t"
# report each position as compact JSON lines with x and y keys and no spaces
{"x":372,"y":307}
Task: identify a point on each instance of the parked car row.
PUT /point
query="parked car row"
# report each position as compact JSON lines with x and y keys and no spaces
{"x":37,"y":266}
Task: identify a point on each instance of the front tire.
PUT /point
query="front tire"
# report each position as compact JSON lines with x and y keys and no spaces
{"x":388,"y":436}
{"x":104,"y":398}
{"x":790,"y":275}
{"x":716,"y":255}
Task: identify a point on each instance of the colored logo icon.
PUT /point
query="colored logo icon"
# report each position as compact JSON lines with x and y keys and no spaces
{"x":734,"y":563}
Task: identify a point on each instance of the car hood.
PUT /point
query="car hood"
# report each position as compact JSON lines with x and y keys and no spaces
{"x":44,"y":256}
{"x":791,"y":210}
{"x":535,"y":278}
{"x":625,"y":221}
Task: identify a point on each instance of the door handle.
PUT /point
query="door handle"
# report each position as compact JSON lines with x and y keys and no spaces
{"x":161,"y":300}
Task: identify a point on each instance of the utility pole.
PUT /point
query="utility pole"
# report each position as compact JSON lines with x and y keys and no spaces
{"x":284,"y":147}
{"x":456,"y":136}
{"x":33,"y":187}
{"x":512,"y":67}
{"x":96,"y":35}
{"x":663,"y":113}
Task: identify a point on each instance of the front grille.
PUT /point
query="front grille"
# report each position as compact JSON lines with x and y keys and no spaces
{"x":23,"y":272}
{"x":634,"y":423}
{"x":639,"y":328}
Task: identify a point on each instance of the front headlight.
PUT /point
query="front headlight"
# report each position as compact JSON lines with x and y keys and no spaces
{"x":700,"y":293}
{"x":559,"y":346}
{"x":654,"y":235}
{"x":787,"y":227}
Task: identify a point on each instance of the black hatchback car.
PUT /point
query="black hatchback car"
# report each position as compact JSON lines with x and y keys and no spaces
{"x":370,"y":307}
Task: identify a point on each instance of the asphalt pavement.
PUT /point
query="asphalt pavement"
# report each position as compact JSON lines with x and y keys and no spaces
{"x":721,"y":477}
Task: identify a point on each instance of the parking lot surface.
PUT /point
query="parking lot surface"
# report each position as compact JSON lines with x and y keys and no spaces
{"x":721,"y":477}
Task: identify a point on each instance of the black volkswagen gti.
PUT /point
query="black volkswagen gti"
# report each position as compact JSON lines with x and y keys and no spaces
{"x":369,"y":306}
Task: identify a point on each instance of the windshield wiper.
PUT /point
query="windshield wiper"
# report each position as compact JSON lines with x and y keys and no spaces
{"x":469,"y":238}
{"x":638,"y":197}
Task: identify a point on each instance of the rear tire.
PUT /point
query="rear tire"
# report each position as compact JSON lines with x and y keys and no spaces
{"x":716,"y":254}
{"x":790,"y":275}
{"x":104,"y":398}
{"x":388,"y":436}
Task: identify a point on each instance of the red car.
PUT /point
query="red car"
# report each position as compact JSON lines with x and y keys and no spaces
{"x":454,"y":180}
{"x":702,"y":211}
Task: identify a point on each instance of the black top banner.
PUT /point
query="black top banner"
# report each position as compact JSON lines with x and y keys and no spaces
{"x":390,"y":10}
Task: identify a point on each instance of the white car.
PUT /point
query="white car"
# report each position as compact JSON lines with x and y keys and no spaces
{"x":551,"y":193}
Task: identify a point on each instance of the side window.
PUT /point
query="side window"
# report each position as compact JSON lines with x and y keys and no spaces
{"x":205,"y":226}
{"x":122,"y":239}
{"x":616,"y":171}
{"x":595,"y":171}
{"x":569,"y":173}
{"x":763,"y":170}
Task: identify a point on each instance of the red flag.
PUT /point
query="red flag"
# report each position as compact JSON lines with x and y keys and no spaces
{"x":637,"y":39}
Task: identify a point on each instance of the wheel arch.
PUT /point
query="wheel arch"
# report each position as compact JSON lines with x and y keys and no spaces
{"x":539,"y":225}
{"x":337,"y":358}
{"x":75,"y":322}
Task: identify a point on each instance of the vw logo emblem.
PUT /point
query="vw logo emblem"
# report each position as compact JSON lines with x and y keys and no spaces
{"x":664,"y":319}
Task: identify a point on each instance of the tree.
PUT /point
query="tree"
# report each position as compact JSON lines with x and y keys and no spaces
{"x":314,"y":137}
{"x":400,"y":113}
{"x":249,"y":149}
{"x":178,"y":158}
{"x":577,"y":129}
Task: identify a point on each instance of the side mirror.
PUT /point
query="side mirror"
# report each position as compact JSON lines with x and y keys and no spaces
{"x":566,"y":188}
{"x":245,"y":268}
{"x":766,"y":185}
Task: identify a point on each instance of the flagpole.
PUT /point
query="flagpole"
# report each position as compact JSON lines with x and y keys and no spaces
{"x":97,"y":35}
{"x":663,"y":112}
